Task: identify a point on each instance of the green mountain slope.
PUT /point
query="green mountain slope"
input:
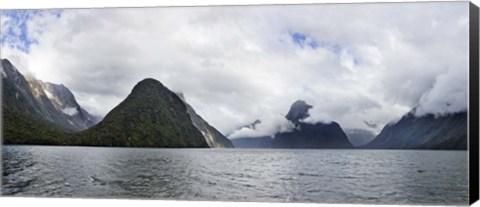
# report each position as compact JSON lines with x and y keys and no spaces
{"x":21,"y":128}
{"x":151,"y":116}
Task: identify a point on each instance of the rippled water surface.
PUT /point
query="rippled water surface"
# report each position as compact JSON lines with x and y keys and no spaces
{"x":271,"y":175}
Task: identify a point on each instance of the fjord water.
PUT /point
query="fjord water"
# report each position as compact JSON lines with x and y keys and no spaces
{"x":270,"y":175}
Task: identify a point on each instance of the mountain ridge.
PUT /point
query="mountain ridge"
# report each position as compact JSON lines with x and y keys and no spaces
{"x":37,"y":112}
{"x":425,"y":132}
{"x":33,"y":112}
{"x":30,"y":95}
{"x":303,"y":135}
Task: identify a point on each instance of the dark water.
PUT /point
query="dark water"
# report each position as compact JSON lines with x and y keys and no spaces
{"x":324,"y":176}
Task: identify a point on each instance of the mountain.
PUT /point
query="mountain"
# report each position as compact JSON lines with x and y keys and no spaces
{"x":425,"y":132}
{"x":26,"y":119}
{"x":37,"y":112}
{"x":45,"y":101}
{"x":150,"y":116}
{"x":255,"y":142}
{"x":359,"y":137}
{"x":63,"y":100}
{"x":304,"y":135}
{"x":313,"y":136}
{"x":21,"y":128}
{"x":298,"y":111}
{"x":212,"y":136}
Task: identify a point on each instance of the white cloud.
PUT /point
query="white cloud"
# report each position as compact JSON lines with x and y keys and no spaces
{"x":373,"y":62}
{"x":268,"y":126}
{"x":71,"y":111}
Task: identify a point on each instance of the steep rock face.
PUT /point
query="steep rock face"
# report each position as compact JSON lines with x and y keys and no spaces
{"x":151,"y":116}
{"x":212,"y":136}
{"x":426,"y":132}
{"x":63,"y":100}
{"x":17,"y":93}
{"x":32,"y":97}
{"x":25,"y":120}
{"x":359,"y":137}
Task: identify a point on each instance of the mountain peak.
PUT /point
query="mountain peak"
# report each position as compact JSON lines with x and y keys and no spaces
{"x":8,"y":70}
{"x":151,"y":116}
{"x":298,"y":111}
{"x":6,"y":61}
{"x":148,"y":85}
{"x":149,"y":81}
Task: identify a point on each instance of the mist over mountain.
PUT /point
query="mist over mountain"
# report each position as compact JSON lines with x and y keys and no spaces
{"x":429,"y":131}
{"x":307,"y":135}
{"x":262,"y":63}
{"x":63,"y":100}
{"x":37,"y":112}
{"x":359,"y":137}
{"x":300,"y":135}
{"x":265,"y":126}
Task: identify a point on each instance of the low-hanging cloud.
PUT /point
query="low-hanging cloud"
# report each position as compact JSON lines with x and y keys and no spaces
{"x":268,"y":126}
{"x":447,"y":95}
{"x":352,"y":62}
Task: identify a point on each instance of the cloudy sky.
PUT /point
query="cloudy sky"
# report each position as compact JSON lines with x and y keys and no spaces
{"x":361,"y":65}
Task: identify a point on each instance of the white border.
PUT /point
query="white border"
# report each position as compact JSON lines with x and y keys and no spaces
{"x":42,"y":4}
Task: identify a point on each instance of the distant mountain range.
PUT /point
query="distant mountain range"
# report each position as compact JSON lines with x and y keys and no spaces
{"x":359,"y":137}
{"x":410,"y":132}
{"x":42,"y":113}
{"x":303,"y":135}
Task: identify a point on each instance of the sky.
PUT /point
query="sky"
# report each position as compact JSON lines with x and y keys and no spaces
{"x":361,"y":65}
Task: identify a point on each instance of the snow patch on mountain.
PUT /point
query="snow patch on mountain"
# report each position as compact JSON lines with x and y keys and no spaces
{"x":49,"y":95}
